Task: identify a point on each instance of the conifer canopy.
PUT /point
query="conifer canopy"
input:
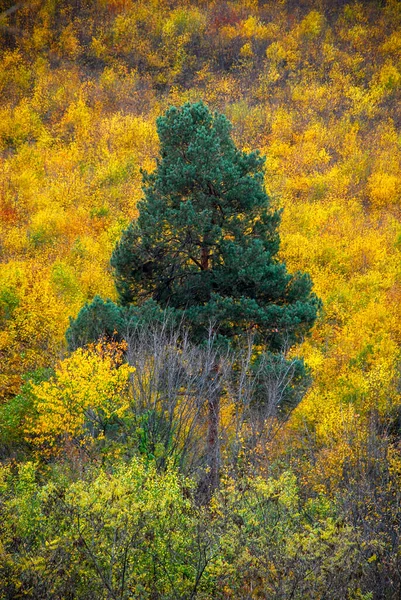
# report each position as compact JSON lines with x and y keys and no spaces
{"x":206,"y":240}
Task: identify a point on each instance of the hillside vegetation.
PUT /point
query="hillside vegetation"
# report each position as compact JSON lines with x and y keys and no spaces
{"x":310,"y":512}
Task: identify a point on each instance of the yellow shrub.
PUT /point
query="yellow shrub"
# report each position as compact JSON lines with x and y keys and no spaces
{"x":384,"y":189}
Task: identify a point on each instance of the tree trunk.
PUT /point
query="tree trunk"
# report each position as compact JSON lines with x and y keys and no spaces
{"x":205,"y":258}
{"x":211,"y":476}
{"x":213,"y":441}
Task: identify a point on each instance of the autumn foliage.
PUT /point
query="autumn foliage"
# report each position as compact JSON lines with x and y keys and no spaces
{"x":98,"y":479}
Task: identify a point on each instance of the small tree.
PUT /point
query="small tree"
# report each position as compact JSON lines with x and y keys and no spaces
{"x":205,"y":247}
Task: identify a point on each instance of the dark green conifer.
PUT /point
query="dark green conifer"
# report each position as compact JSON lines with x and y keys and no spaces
{"x":206,"y":240}
{"x":204,"y":248}
{"x":95,"y":320}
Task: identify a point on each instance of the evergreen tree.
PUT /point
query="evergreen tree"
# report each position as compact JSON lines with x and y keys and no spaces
{"x":206,"y":241}
{"x":95,"y":320}
{"x":204,"y":248}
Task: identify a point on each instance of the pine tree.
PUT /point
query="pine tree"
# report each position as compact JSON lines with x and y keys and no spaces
{"x":206,"y":241}
{"x":205,"y":245}
{"x":204,"y":248}
{"x":95,"y":320}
